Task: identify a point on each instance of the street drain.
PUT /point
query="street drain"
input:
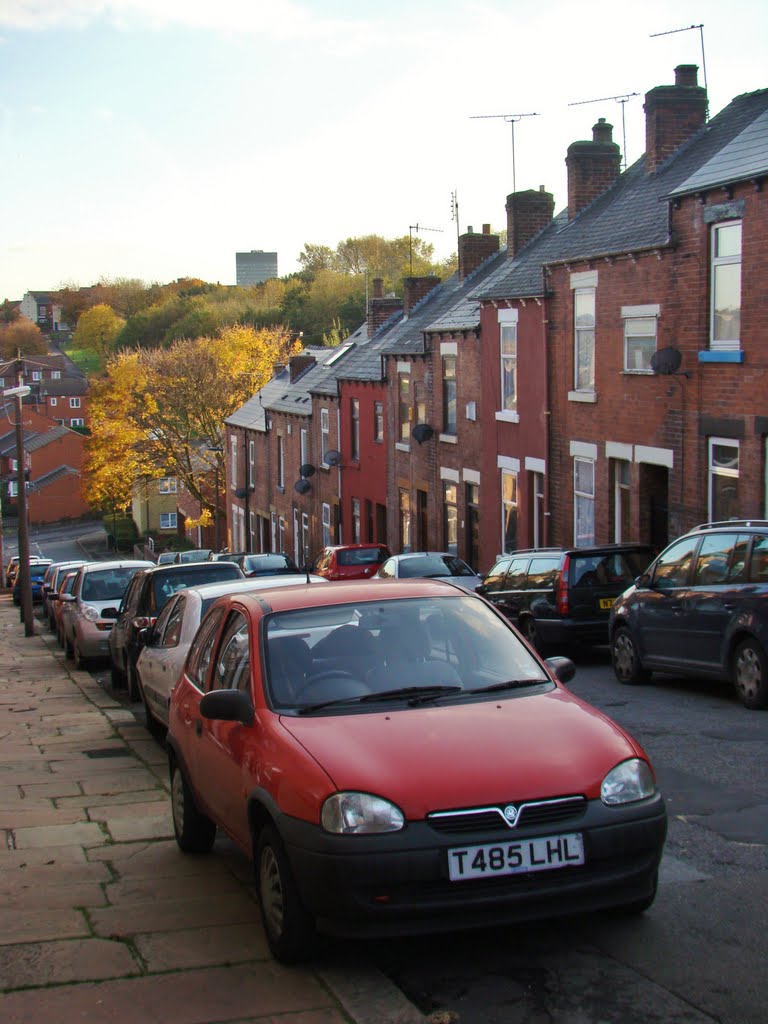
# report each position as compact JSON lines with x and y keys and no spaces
{"x":108,"y":752}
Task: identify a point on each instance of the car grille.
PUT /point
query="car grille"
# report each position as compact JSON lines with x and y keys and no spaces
{"x":493,"y":819}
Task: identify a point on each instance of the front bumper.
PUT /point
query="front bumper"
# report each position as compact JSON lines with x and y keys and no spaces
{"x":92,"y":641}
{"x":398,"y":883}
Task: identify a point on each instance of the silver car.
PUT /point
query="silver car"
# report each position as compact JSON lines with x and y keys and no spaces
{"x":98,"y":586}
{"x":163,"y":654}
{"x":431,"y":565}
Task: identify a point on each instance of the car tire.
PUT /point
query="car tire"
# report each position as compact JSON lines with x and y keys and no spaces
{"x":530,"y":632}
{"x":194,"y":831}
{"x":625,"y":659}
{"x":749,"y":674}
{"x":288,"y":926}
{"x":134,"y":692}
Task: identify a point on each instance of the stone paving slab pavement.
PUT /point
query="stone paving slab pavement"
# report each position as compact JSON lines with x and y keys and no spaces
{"x":102,"y":919}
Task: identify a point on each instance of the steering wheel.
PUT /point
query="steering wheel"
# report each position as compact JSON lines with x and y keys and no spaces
{"x":328,"y":673}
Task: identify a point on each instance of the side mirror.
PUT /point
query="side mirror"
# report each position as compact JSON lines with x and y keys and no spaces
{"x":68,"y":598}
{"x":644,"y":581}
{"x":563,"y":669}
{"x":146,"y":636}
{"x":227,"y":706}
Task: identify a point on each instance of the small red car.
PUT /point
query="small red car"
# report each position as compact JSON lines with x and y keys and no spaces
{"x":350,"y":561}
{"x":396,"y":759}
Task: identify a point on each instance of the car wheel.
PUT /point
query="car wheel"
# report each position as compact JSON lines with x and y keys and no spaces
{"x":531,"y":633}
{"x":134,"y":693}
{"x":194,"y":831}
{"x":625,"y":659}
{"x":288,"y":926}
{"x":749,"y":673}
{"x":68,"y":649}
{"x":154,"y":726}
{"x":77,"y":655}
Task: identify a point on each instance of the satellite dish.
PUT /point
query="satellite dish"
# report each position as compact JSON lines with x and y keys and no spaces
{"x":307,"y":469}
{"x":302,"y":486}
{"x":666,"y":360}
{"x":422,"y":432}
{"x":332,"y":457}
{"x":243,"y":492}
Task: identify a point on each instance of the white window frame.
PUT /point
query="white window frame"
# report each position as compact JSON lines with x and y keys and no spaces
{"x":304,"y":537}
{"x":167,"y":485}
{"x":508,"y":365}
{"x":55,"y":374}
{"x":639,"y":322}
{"x":251,"y":463}
{"x":77,"y":421}
{"x":354,"y":415}
{"x":296,"y":556}
{"x":280,"y":463}
{"x":510,"y":505}
{"x":326,"y":524}
{"x":74,"y":403}
{"x":325,"y":434}
{"x":54,"y":401}
{"x":169,"y":520}
{"x":37,"y":375}
{"x":721,"y":472}
{"x":583,"y":506}
{"x":233,"y":462}
{"x":356,"y":521}
{"x":580,"y":334}
{"x":304,"y":446}
{"x":717,"y":263}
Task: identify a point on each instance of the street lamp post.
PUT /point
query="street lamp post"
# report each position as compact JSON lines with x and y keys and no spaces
{"x":25,"y":583}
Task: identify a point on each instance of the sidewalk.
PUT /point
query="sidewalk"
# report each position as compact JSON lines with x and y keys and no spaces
{"x":102,"y":919}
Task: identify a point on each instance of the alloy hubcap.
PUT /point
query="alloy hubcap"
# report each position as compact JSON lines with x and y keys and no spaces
{"x":748,"y":674}
{"x":271,"y":891}
{"x":177,"y":802}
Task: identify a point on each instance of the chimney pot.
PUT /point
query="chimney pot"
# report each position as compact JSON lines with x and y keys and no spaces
{"x":378,"y":287}
{"x":486,"y":229}
{"x":474,"y":249}
{"x":686,"y":74}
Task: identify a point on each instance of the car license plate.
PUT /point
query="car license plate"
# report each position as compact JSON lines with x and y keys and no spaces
{"x":540,"y":854}
{"x":606,"y":603}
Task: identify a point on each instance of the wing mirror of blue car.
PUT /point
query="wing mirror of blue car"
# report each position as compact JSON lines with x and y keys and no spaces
{"x":563,"y":669}
{"x":227,"y":706}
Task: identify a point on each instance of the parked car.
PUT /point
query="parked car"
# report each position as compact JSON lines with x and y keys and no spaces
{"x":166,"y":557}
{"x":196,"y":555}
{"x":65,"y":582}
{"x":226,"y":556}
{"x":444,"y":778}
{"x":349,"y":561}
{"x":431,"y":565}
{"x":37,"y":571}
{"x":89,"y":610}
{"x":49,"y":582}
{"x":10,"y":570}
{"x":700,"y":609}
{"x":562,"y":598}
{"x":164,"y":646}
{"x":144,"y":599}
{"x":275,"y":564}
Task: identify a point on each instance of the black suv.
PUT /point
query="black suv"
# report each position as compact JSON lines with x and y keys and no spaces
{"x":701,"y":609}
{"x":145,"y":597}
{"x":562,"y":597}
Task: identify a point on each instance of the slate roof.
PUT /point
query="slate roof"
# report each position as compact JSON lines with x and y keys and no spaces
{"x":280,"y":395}
{"x":633,"y":215}
{"x":50,"y":478}
{"x":33,"y":442}
{"x":743,"y":158}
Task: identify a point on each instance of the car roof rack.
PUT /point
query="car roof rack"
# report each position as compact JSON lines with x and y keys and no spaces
{"x":730,"y":522}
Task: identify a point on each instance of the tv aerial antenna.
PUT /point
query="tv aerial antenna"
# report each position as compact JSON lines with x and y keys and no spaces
{"x":411,"y":229}
{"x":510,"y":119}
{"x":690,"y":28}
{"x":619,"y":99}
{"x":455,"y":213}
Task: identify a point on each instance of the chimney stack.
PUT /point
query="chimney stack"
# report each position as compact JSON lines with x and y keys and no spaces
{"x":592,"y":167}
{"x":415,"y":288}
{"x":672,"y":114}
{"x":475,"y":250}
{"x":298,"y":364}
{"x":528,"y":213}
{"x":380,"y":307}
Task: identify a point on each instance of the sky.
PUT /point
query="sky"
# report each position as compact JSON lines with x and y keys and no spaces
{"x":154,"y":139}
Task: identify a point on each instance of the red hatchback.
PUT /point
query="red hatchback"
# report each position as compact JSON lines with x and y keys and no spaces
{"x":350,"y":561}
{"x":396,"y":759}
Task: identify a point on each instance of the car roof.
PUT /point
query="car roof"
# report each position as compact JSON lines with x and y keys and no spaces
{"x":221,"y":589}
{"x":352,"y":592}
{"x":730,"y":524}
{"x":123,"y":563}
{"x":348,"y":547}
{"x":185,"y":568}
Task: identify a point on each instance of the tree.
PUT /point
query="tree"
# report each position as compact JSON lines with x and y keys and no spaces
{"x":9,"y":311}
{"x":21,"y":335}
{"x":97,"y":329}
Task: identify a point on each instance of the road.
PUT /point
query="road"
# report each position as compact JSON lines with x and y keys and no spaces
{"x":697,"y":956}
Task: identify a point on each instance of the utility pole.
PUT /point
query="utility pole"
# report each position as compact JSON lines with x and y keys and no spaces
{"x":21,"y":497}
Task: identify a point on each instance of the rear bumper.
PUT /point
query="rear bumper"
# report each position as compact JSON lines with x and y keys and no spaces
{"x":561,"y":632}
{"x":399,"y":884}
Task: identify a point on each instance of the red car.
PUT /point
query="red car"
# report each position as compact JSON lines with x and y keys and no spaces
{"x":396,"y":759}
{"x":350,"y":561}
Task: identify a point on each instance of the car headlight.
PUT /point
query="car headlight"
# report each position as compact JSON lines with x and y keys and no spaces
{"x":360,"y":813}
{"x":91,"y":613}
{"x":629,"y":781}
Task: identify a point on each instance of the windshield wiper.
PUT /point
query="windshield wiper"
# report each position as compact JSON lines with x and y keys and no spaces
{"x":510,"y":684}
{"x":414,"y":693}
{"x":306,"y":708}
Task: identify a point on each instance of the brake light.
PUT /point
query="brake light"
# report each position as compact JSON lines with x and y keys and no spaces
{"x":562,"y":586}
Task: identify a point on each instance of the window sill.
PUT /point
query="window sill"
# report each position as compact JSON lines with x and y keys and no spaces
{"x":449,"y":438}
{"x":637,"y":373}
{"x":508,"y":416}
{"x":582,"y":396}
{"x":721,"y":356}
{"x":401,"y":446}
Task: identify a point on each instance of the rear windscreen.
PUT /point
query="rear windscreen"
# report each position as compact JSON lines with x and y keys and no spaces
{"x":165,"y":585}
{"x":361,"y":556}
{"x":621,"y":568}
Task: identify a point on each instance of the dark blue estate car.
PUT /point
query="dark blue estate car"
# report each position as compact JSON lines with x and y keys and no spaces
{"x":36,"y":574}
{"x":700,"y":609}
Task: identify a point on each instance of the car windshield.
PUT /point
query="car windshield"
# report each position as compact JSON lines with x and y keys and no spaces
{"x":619,"y":568}
{"x":361,"y":556}
{"x":434,"y":565}
{"x":348,"y":656}
{"x":166,"y":584}
{"x":268,"y":564}
{"x":107,"y":584}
